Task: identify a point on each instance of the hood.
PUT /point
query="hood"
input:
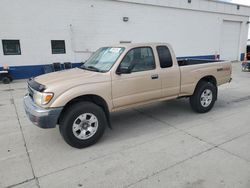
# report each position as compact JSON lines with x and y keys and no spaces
{"x":71,"y":77}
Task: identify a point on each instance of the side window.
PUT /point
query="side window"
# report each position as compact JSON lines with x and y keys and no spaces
{"x":164,"y":57}
{"x":139,"y":59}
{"x":11,"y":47}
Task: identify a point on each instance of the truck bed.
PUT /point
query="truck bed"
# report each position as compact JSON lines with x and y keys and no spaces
{"x":187,"y":61}
{"x":192,"y":70}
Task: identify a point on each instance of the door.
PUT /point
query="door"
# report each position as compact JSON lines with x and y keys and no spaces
{"x":169,"y":73}
{"x":230,"y":40}
{"x":141,"y":83}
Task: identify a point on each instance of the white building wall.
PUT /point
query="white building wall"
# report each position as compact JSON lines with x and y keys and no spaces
{"x":190,"y":32}
{"x":193,"y":29}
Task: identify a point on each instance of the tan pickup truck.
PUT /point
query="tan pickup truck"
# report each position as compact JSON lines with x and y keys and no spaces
{"x":113,"y":78}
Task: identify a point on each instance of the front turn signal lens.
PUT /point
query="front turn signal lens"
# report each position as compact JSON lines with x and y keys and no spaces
{"x":47,"y":98}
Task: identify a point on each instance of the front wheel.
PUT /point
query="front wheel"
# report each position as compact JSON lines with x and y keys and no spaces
{"x":83,"y":124}
{"x":204,"y":97}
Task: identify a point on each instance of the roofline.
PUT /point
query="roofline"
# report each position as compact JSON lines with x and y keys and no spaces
{"x":160,"y":4}
{"x":230,"y":3}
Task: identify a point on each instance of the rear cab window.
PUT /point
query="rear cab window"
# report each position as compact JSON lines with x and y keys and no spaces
{"x":165,"y":57}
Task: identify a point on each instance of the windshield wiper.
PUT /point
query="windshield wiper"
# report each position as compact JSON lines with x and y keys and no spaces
{"x":91,"y":68}
{"x":94,"y":68}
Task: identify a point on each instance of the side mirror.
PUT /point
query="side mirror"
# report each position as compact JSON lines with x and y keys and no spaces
{"x":123,"y":70}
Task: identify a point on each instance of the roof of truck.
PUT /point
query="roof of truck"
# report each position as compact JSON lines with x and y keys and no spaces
{"x":133,"y":45}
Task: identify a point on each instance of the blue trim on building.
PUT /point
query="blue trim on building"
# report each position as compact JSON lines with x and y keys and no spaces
{"x":242,"y":56}
{"x":23,"y":72}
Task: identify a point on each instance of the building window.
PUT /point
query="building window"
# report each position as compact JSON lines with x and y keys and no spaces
{"x":11,"y":47}
{"x":58,"y":47}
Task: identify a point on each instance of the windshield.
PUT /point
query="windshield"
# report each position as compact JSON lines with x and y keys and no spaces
{"x":103,"y":59}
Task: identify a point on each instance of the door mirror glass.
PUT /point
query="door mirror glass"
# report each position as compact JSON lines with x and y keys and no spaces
{"x":123,"y":70}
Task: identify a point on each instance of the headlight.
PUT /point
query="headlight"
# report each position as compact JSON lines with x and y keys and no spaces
{"x":42,"y":98}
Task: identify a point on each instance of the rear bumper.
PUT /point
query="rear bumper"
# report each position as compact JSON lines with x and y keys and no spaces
{"x":43,"y":118}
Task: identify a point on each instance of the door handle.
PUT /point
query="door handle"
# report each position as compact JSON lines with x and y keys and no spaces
{"x":155,"y":76}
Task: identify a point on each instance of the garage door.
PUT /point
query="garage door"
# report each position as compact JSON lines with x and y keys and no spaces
{"x":230,"y":40}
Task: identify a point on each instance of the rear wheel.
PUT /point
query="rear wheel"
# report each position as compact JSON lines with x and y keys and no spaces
{"x":204,"y":97}
{"x":83,"y":124}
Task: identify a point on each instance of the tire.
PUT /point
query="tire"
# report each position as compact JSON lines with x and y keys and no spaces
{"x":201,"y":101}
{"x":6,"y":80}
{"x":83,"y":124}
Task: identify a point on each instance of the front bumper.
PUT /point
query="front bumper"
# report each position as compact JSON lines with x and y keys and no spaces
{"x":41,"y":117}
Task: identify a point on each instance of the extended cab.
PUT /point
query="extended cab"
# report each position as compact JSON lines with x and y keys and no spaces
{"x":80,"y":100}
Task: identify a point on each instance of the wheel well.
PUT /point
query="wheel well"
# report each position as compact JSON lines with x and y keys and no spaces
{"x":90,"y":98}
{"x":210,"y":79}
